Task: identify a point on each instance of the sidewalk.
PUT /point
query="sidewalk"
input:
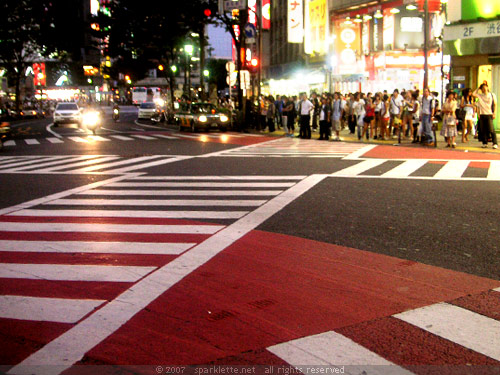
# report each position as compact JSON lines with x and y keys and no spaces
{"x":473,"y":145}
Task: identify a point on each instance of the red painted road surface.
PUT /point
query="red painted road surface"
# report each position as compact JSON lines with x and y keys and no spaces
{"x":263,"y":290}
{"x":391,"y":152}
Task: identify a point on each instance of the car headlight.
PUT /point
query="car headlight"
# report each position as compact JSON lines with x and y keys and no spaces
{"x":202,"y":118}
{"x":224,"y":118}
{"x":91,"y":118}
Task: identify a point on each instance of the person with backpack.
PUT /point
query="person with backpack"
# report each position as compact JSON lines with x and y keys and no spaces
{"x":487,"y":105}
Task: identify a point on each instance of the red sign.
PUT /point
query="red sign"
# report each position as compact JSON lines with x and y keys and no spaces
{"x":266,"y":14}
{"x":40,"y":78}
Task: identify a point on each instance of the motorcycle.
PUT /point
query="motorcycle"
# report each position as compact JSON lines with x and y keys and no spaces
{"x":5,"y":133}
{"x":91,"y":120}
{"x":116,"y":114}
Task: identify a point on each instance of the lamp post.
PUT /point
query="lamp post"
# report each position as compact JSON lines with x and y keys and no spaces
{"x":188,"y":48}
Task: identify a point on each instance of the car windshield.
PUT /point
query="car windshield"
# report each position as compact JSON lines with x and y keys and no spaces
{"x":67,"y":106}
{"x":203,"y":108}
{"x":148,"y":105}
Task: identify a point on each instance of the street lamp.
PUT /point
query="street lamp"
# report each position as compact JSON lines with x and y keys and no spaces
{"x":188,"y":48}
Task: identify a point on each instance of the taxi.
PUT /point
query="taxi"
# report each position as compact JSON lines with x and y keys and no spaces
{"x":196,"y":116}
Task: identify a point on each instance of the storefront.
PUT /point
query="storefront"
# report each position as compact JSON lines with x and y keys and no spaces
{"x":475,"y":56}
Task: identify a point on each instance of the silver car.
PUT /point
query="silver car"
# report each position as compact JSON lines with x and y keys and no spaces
{"x":149,"y":111}
{"x":67,"y":113}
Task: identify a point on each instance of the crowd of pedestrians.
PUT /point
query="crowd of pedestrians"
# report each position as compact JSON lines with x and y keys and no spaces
{"x":406,"y":115}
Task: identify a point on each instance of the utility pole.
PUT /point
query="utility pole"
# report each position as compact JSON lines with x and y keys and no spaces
{"x":259,"y":68}
{"x":426,"y":44}
{"x":202,"y":61}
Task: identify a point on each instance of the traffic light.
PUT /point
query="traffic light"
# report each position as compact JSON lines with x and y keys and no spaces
{"x":254,"y":62}
{"x":160,"y":67}
{"x":210,"y":10}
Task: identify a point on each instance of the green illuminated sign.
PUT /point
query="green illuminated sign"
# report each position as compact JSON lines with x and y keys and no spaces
{"x":473,"y":9}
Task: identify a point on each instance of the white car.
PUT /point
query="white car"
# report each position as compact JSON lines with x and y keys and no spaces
{"x":149,"y":111}
{"x":66,"y":113}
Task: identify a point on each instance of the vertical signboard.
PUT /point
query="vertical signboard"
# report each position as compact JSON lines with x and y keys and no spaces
{"x":266,"y":14}
{"x":318,"y":26}
{"x":347,"y":46}
{"x":40,"y":79}
{"x":295,"y":21}
{"x":388,"y":30}
{"x":252,"y":12}
{"x":365,"y":38}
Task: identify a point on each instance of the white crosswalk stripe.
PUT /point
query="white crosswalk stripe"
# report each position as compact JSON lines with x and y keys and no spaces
{"x":293,"y":147}
{"x":453,"y":170}
{"x":71,"y":164}
{"x":462,"y":328}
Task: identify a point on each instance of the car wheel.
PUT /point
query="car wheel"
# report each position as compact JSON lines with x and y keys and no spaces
{"x":224,"y":129}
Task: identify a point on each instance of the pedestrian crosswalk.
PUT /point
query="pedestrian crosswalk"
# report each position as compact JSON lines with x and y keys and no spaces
{"x":294,"y":147}
{"x":471,"y":170}
{"x":403,"y":343}
{"x":58,"y":253}
{"x":126,"y":137}
{"x":123,"y":220}
{"x":82,"y":164}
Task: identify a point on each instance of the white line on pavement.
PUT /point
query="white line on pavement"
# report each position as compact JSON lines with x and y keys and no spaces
{"x":31,"y":141}
{"x":452,"y":169}
{"x":59,"y":310}
{"x":494,"y":170}
{"x":205,"y":184}
{"x":49,"y":129}
{"x":406,"y":168}
{"x":54,"y":140}
{"x":334,"y":349}
{"x":116,"y":163}
{"x":71,"y":272}
{"x":359,"y":168}
{"x":461,"y":326}
{"x":87,"y":247}
{"x":216,"y":178}
{"x":220,"y":193}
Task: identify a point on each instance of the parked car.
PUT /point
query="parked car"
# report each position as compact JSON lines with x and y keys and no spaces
{"x":201,"y":115}
{"x":67,"y":113}
{"x":149,"y":111}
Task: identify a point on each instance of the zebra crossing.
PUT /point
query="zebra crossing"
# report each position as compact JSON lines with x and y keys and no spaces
{"x":121,"y":239}
{"x":126,"y":137}
{"x":82,"y":164}
{"x":294,"y":147}
{"x":465,"y":170}
{"x":441,"y":326}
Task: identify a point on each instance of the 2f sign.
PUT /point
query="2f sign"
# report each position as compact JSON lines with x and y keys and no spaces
{"x":468,"y":31}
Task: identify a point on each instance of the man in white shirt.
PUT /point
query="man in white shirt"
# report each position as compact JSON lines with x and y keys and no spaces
{"x":395,"y":107}
{"x":487,"y":105}
{"x":428,"y":111}
{"x":305,"y":108}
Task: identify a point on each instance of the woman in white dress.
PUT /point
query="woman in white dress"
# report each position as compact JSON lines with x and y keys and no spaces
{"x":469,"y":107}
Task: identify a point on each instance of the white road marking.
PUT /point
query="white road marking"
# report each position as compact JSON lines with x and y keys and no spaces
{"x":88,"y":247}
{"x":220,"y":193}
{"x":165,"y":136}
{"x":35,"y":161}
{"x":63,"y":194}
{"x":494,"y":170}
{"x":461,"y":326}
{"x":141,"y":214}
{"x":115,"y":164}
{"x":158,"y":202}
{"x":54,"y":140}
{"x":78,"y":164}
{"x":9,"y":143}
{"x":405,"y":169}
{"x":334,"y":349}
{"x":72,"y":345}
{"x":59,"y":310}
{"x":98,"y":138}
{"x":49,"y":129}
{"x":205,"y":184}
{"x":148,"y":126}
{"x":121,"y":137}
{"x":357,"y":154}
{"x":78,"y":139}
{"x":108,"y":228}
{"x":31,"y":141}
{"x":216,"y":178}
{"x":147,"y":138}
{"x":166,"y":160}
{"x":37,"y":167}
{"x":452,"y":169}
{"x":355,"y":170}
{"x":66,"y":272}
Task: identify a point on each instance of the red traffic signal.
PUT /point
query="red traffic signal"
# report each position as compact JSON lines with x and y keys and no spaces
{"x":254,"y":62}
{"x":207,"y":12}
